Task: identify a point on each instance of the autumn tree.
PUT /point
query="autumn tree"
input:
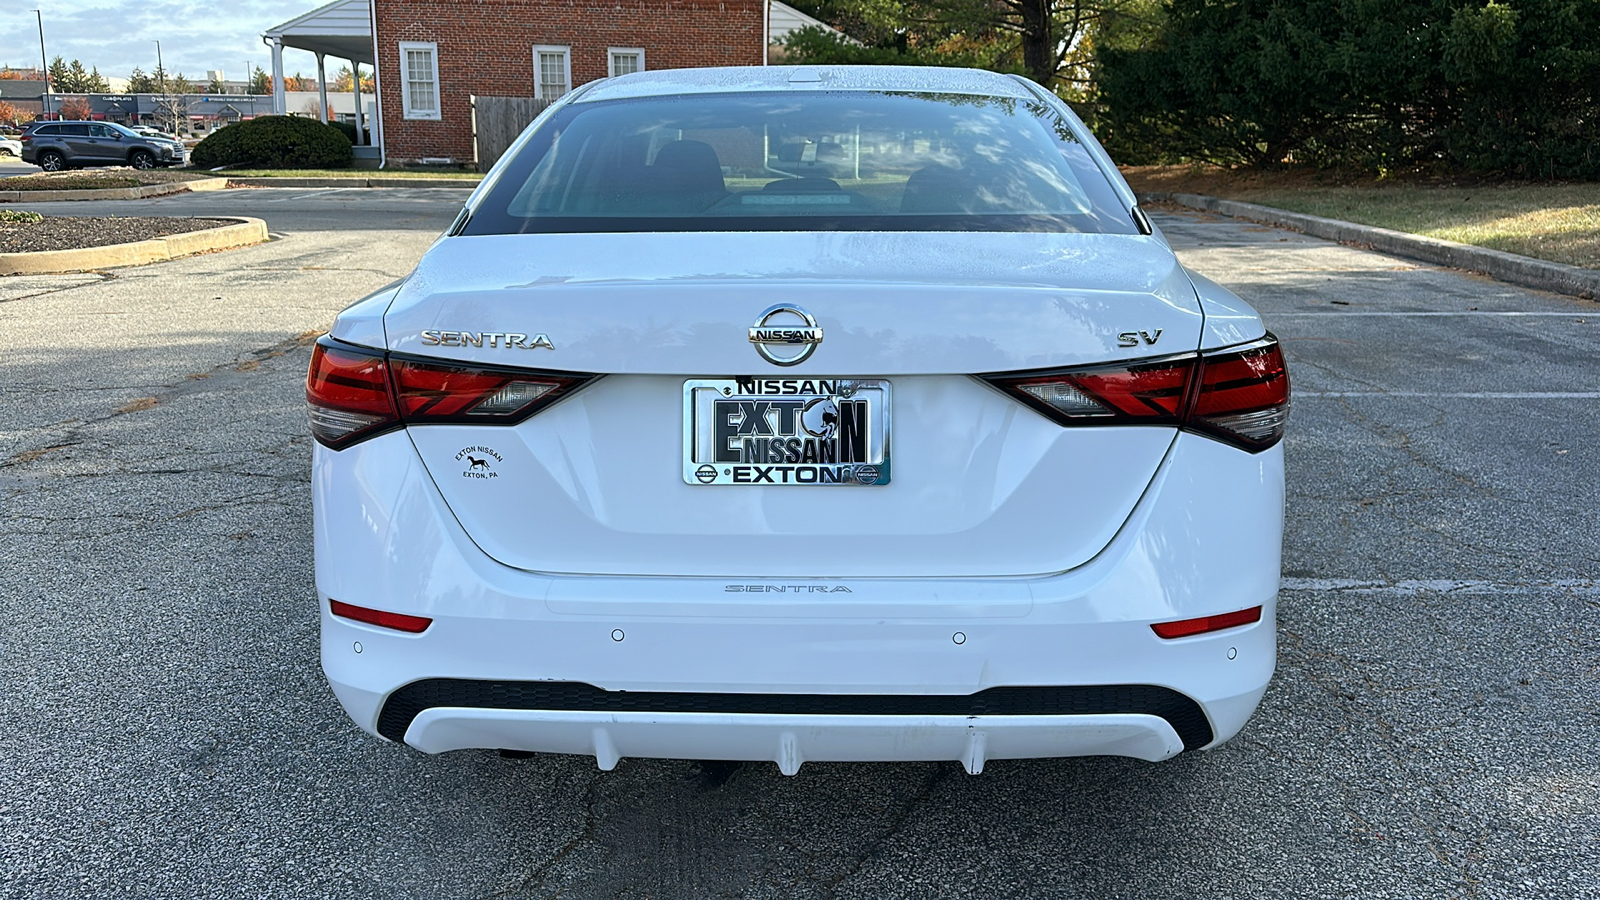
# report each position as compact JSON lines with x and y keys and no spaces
{"x":343,"y":82}
{"x":10,"y":115}
{"x":74,"y":108}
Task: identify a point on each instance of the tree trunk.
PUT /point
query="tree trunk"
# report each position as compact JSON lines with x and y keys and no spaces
{"x":1038,"y":41}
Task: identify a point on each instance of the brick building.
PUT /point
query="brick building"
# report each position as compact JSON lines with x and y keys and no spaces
{"x":433,"y":56}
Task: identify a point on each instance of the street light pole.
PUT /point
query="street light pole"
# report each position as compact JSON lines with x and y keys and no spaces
{"x":161,"y":72}
{"x":43,"y":62}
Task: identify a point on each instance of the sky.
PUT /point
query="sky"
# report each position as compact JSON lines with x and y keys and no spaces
{"x":117,"y":35}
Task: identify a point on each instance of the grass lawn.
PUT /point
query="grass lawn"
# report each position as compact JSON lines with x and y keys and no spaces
{"x":344,"y":173}
{"x":1557,"y":222}
{"x":94,"y":179}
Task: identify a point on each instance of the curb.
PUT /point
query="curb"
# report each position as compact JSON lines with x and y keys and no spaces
{"x":1510,"y":267}
{"x":246,"y":231}
{"x":128,"y":193}
{"x":288,"y":182}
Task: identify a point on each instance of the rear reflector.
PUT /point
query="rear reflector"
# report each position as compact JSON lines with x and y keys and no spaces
{"x":1206,"y":624}
{"x":355,"y":393}
{"x":397,"y":621}
{"x":1239,"y":395}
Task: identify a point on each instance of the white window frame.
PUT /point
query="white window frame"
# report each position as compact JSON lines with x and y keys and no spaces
{"x":407,"y":111}
{"x":613,"y":52}
{"x":566,"y":64}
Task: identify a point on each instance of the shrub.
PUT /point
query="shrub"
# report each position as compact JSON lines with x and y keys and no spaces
{"x":275,"y":142}
{"x":19,"y":217}
{"x":1483,"y":86}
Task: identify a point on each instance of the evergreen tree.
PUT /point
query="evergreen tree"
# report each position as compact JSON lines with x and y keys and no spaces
{"x":260,"y":81}
{"x":61,"y":77}
{"x":140,"y":83}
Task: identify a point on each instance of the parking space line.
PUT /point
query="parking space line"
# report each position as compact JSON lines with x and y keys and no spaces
{"x":312,"y":194}
{"x":1436,"y":585}
{"x":1342,"y":314}
{"x":1460,"y":395}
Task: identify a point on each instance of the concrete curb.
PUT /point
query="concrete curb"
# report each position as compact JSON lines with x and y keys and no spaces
{"x":128,"y":193}
{"x":355,"y":182}
{"x":246,"y":231}
{"x":1526,"y":271}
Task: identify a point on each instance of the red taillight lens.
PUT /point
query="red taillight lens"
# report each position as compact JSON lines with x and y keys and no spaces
{"x":431,"y":392}
{"x":397,"y":621}
{"x":1149,"y":393}
{"x":347,"y":391}
{"x":355,"y":393}
{"x":1206,"y":624}
{"x":1239,"y":395}
{"x":1244,"y":395}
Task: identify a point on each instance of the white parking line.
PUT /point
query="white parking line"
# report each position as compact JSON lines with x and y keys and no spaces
{"x":1460,"y":395}
{"x":312,"y":194}
{"x":1471,"y":312}
{"x":1437,"y":585}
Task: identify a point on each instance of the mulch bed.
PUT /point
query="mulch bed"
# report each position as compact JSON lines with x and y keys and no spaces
{"x":77,"y":232}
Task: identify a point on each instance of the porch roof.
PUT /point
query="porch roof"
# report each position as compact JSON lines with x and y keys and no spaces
{"x":341,"y":29}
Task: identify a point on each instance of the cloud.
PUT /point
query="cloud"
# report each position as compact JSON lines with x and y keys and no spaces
{"x":116,"y":37}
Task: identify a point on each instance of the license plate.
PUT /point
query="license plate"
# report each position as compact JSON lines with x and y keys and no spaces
{"x":794,"y":431}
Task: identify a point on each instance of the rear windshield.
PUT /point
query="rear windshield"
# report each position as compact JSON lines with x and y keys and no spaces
{"x":842,"y":161}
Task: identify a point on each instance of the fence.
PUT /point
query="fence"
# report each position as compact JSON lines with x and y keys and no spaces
{"x":496,"y":122}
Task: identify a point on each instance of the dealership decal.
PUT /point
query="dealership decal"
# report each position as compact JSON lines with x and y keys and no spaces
{"x":479,"y":462}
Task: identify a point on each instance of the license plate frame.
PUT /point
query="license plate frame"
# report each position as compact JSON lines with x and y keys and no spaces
{"x":850,"y":450}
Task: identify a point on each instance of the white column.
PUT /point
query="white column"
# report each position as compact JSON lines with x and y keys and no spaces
{"x":355,"y":85}
{"x":322,"y":87}
{"x":279,"y":102}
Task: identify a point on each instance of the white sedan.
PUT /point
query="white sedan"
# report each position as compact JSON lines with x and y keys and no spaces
{"x":801,"y":414}
{"x":10,"y":148}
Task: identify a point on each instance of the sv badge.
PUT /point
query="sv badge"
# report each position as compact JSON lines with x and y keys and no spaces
{"x":1131,"y":338}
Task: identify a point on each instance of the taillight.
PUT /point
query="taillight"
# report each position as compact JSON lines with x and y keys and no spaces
{"x":431,"y":392}
{"x":355,"y":393}
{"x":1244,"y":395}
{"x":347,"y":392}
{"x":1239,"y":394}
{"x":1206,"y":624}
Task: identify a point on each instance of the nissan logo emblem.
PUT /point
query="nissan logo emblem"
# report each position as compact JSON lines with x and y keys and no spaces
{"x":767,"y":333}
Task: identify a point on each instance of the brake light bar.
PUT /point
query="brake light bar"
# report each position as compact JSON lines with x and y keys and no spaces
{"x":1206,"y":624}
{"x":1239,"y":395}
{"x":380,"y":618}
{"x":354,"y":393}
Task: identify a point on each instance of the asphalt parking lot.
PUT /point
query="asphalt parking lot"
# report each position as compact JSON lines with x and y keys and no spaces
{"x":165,"y":730}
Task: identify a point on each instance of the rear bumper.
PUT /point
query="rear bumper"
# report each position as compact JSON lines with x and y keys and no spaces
{"x":897,"y":669}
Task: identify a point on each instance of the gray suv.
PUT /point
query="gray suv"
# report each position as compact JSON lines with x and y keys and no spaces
{"x":53,"y":146}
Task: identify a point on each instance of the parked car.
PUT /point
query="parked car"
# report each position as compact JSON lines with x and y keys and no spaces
{"x":817,"y":413}
{"x":10,"y":148}
{"x":54,"y":146}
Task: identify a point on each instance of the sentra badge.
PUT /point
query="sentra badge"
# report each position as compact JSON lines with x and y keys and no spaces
{"x":501,"y":339}
{"x":777,"y":328}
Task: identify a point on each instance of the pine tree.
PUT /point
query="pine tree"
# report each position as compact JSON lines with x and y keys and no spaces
{"x":60,"y":77}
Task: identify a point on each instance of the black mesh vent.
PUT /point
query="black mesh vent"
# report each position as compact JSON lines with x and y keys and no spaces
{"x":1182,"y":713}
